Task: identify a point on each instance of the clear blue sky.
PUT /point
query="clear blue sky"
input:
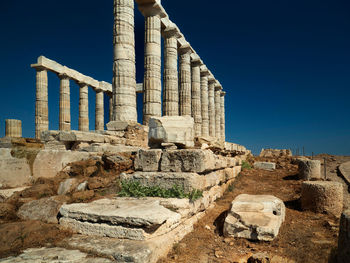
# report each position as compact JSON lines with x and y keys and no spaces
{"x":284,"y":64}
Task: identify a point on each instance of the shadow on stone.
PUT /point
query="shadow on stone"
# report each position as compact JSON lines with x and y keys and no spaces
{"x":294,"y":177}
{"x":293,"y":204}
{"x":219,"y":223}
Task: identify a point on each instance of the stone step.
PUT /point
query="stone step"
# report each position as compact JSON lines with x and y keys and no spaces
{"x":130,"y":218}
{"x":188,"y":181}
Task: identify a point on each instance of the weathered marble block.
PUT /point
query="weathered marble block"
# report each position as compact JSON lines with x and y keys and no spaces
{"x":265,"y":166}
{"x":171,"y":129}
{"x":256,"y":217}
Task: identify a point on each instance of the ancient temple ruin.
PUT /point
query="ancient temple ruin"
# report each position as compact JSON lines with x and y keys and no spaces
{"x":190,"y":91}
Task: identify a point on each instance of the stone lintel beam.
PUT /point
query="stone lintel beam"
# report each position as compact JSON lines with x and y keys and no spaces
{"x":57,"y":68}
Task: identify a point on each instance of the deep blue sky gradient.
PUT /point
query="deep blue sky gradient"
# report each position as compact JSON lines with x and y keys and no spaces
{"x":284,"y":64}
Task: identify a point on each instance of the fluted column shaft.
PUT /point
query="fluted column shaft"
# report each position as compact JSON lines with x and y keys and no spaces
{"x":185,"y":82}
{"x":124,"y":72}
{"x":99,"y":111}
{"x":152,"y":103}
{"x":83,"y":107}
{"x":211,"y":108}
{"x":204,"y":102}
{"x":196,"y":98}
{"x":222,"y":122}
{"x":171,"y":82}
{"x":64,"y":118}
{"x":41,"y":104}
{"x":110,"y":108}
{"x":217,"y":112}
{"x":13,"y":128}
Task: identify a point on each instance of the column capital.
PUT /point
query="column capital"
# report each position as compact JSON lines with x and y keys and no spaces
{"x":81,"y":84}
{"x":152,"y":9}
{"x":62,"y":75}
{"x":185,"y":49}
{"x":211,"y":80}
{"x":223,"y":93}
{"x":196,"y":63}
{"x":39,"y":67}
{"x":218,"y":87}
{"x":171,"y":32}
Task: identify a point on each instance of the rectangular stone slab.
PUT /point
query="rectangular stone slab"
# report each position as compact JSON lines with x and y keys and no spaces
{"x":121,"y":211}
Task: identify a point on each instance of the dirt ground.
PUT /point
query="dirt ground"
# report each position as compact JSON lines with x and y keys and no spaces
{"x":304,"y":236}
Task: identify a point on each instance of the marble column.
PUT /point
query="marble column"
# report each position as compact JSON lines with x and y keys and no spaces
{"x":152,"y":97}
{"x":204,"y":102}
{"x":170,"y":78}
{"x":124,"y":72}
{"x":196,"y":97}
{"x":99,"y":111}
{"x":13,"y":128}
{"x":64,"y":118}
{"x":41,"y":104}
{"x":83,"y":107}
{"x":218,"y":89}
{"x":211,"y":106}
{"x":222,"y":122}
{"x":110,"y":107}
{"x":185,"y":80}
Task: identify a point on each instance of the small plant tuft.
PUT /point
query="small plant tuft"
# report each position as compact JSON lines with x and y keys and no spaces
{"x":246,"y":166}
{"x":135,"y":189}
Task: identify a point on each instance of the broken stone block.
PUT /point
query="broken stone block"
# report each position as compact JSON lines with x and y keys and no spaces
{"x":344,"y":238}
{"x":309,"y":169}
{"x":67,"y":186}
{"x":7,"y":193}
{"x":148,"y":160}
{"x":190,"y":160}
{"x":119,"y":125}
{"x":256,"y":217}
{"x":322,"y":196}
{"x":14,"y":171}
{"x":45,"y":209}
{"x":49,"y":162}
{"x":171,"y":129}
{"x":130,"y":218}
{"x":265,"y":166}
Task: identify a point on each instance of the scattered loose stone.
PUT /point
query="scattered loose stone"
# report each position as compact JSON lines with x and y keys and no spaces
{"x":45,"y":209}
{"x":256,"y":217}
{"x":321,"y":196}
{"x":265,"y":166}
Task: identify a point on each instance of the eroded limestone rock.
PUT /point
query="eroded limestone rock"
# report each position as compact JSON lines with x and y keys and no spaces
{"x":45,"y":209}
{"x":256,"y":217}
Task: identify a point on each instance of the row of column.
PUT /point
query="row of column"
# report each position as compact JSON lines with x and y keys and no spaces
{"x":191,"y":92}
{"x":41,"y":107}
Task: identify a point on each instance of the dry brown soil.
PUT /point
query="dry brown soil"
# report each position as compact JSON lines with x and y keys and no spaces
{"x":304,"y":236}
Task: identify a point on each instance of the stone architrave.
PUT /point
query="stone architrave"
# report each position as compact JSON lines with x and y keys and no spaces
{"x":171,"y":82}
{"x":99,"y":111}
{"x":124,"y":69}
{"x":217,"y":100}
{"x":41,"y":105}
{"x":152,"y":97}
{"x":83,"y":107}
{"x":13,"y":128}
{"x":211,"y":106}
{"x":196,"y":97}
{"x":185,"y":80}
{"x":222,"y":120}
{"x":65,"y":118}
{"x":204,"y":102}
